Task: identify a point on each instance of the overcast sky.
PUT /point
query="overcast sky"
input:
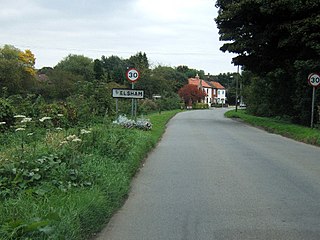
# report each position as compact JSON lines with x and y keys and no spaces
{"x":170,"y":32}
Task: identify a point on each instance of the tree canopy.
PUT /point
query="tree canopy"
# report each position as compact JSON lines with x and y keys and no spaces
{"x":278,"y":41}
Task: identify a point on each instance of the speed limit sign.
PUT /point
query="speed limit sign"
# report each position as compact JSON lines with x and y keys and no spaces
{"x":314,"y":79}
{"x":132,"y":75}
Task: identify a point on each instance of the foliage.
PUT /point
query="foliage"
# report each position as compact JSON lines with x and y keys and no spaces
{"x":189,"y":72}
{"x":6,"y":115}
{"x":147,"y":105}
{"x":115,"y":69}
{"x":191,"y":94}
{"x":61,"y":84}
{"x":16,"y":70}
{"x":276,"y":42}
{"x":78,"y":65}
{"x":28,"y":61}
{"x":200,"y":106}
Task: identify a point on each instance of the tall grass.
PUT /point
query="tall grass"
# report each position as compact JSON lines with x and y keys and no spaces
{"x":90,"y":181}
{"x":284,"y":128}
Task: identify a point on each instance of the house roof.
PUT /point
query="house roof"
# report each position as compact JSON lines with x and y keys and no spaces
{"x":196,"y":81}
{"x":217,"y":85}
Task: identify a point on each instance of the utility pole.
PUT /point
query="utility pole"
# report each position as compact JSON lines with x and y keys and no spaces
{"x":237,"y":80}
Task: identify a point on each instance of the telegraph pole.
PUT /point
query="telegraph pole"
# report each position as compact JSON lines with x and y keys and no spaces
{"x":237,"y":80}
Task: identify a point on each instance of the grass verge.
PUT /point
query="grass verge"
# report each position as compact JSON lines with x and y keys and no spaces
{"x":108,"y":158}
{"x":296,"y":132}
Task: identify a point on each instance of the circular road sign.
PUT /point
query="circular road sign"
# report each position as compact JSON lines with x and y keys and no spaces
{"x":314,"y":79}
{"x":132,"y":75}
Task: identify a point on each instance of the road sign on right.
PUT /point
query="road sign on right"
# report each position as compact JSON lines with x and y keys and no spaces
{"x":314,"y":79}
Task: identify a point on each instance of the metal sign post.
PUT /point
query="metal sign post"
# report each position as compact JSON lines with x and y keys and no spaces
{"x":314,"y":81}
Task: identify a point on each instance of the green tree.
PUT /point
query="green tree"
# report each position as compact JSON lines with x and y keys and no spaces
{"x":172,"y":79}
{"x":98,"y":70}
{"x":115,"y":69}
{"x":78,"y":65}
{"x":16,"y":70}
{"x":277,"y":41}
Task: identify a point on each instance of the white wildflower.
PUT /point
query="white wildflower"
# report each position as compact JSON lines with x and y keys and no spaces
{"x":20,"y":129}
{"x":19,"y":116}
{"x":59,"y":128}
{"x":71,"y":137}
{"x":76,"y":140}
{"x":60,"y":115}
{"x":44,"y":119}
{"x":83,"y":131}
{"x":2,"y":123}
{"x":30,"y":134}
{"x":62,"y":143}
{"x":26,"y":119}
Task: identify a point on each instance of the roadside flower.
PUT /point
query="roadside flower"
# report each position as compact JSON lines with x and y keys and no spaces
{"x":71,"y":137}
{"x":44,"y":119}
{"x":20,"y":129}
{"x":19,"y":116}
{"x":25,"y":120}
{"x":76,"y":140}
{"x":62,"y":143}
{"x":83,"y":131}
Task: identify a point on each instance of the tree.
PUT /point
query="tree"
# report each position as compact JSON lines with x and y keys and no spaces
{"x":98,"y":70}
{"x":191,"y":94}
{"x":190,"y":72}
{"x":115,"y":69}
{"x":16,"y":70}
{"x":277,"y":40}
{"x":78,"y":65}
{"x":28,"y":61}
{"x":171,"y":79}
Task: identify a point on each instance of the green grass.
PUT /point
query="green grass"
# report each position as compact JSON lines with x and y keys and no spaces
{"x":296,"y":132}
{"x":109,"y":157}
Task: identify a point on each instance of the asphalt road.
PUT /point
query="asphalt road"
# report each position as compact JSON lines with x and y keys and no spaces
{"x":215,"y":178}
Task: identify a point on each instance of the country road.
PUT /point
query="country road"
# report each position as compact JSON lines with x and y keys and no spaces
{"x":215,"y":178}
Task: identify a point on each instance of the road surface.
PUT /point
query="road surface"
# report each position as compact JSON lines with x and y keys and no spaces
{"x":216,"y":178}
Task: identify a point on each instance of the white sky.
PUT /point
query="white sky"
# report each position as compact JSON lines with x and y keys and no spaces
{"x":170,"y":32}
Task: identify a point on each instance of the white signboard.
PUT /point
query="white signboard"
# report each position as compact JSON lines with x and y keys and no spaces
{"x":127,"y":93}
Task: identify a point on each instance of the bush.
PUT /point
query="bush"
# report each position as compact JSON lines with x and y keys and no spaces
{"x":6,"y":115}
{"x":200,"y":106}
{"x":147,"y":106}
{"x":57,"y":113}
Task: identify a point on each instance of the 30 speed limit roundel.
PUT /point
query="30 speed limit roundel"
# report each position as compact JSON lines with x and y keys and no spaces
{"x":314,"y":79}
{"x":132,"y":75}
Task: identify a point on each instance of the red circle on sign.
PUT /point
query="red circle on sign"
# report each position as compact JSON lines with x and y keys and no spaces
{"x":314,"y":79}
{"x":132,"y":75}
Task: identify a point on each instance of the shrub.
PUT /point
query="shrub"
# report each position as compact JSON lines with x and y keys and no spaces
{"x":200,"y":106}
{"x":6,"y":115}
{"x":147,"y":106}
{"x":57,"y":112}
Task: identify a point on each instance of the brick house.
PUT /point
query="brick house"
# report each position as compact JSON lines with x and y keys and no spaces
{"x":215,"y":92}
